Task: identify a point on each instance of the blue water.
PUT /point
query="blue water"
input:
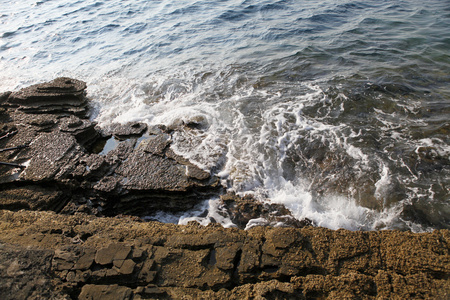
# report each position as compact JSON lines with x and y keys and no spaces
{"x":338,"y":109}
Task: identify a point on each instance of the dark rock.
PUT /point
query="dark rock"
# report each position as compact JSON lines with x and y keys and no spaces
{"x":150,"y":172}
{"x":125,"y":131}
{"x":55,"y":154}
{"x":242,"y":210}
{"x":197,"y":173}
{"x":49,"y":152}
{"x":156,"y":144}
{"x":83,"y":130}
{"x":45,"y":122}
{"x":4,"y":96}
{"x":107,"y":184}
{"x":62,"y":95}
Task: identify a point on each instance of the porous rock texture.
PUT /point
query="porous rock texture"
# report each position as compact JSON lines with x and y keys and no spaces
{"x":54,"y":256}
{"x":72,"y":196}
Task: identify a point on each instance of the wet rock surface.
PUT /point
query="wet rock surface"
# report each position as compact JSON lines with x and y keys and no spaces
{"x":63,"y":164}
{"x":247,"y":212}
{"x":44,"y":254}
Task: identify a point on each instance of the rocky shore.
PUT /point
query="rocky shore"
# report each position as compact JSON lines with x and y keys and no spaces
{"x":72,"y":198}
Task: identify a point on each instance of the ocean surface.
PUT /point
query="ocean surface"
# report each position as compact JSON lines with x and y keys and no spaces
{"x":340,"y":110}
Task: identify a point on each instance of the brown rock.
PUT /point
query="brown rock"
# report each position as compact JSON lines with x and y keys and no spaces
{"x":216,"y":263}
{"x":127,"y":267}
{"x":25,"y":273}
{"x":31,"y":197}
{"x":86,"y":260}
{"x":113,"y":252}
{"x":105,"y":292}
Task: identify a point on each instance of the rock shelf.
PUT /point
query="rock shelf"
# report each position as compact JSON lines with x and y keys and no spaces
{"x":54,"y":256}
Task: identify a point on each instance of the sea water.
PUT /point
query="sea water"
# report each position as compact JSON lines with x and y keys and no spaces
{"x":340,"y":110}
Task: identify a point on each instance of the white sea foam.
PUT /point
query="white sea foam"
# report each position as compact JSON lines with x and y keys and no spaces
{"x":252,"y":150}
{"x":213,"y":214}
{"x":332,"y":211}
{"x":251,"y":147}
{"x":382,"y":185}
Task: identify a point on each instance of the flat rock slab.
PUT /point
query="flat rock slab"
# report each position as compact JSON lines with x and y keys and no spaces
{"x":49,"y":152}
{"x":137,"y":260}
{"x":111,"y":253}
{"x":105,"y":292}
{"x":145,"y":171}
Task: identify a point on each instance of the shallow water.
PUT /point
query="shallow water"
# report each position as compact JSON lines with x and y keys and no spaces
{"x":338,"y":109}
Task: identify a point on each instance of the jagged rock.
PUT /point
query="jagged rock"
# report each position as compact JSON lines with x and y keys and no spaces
{"x":247,"y":211}
{"x":156,"y":144}
{"x":84,"y":131}
{"x":45,"y":122}
{"x":125,"y":131}
{"x":62,"y":95}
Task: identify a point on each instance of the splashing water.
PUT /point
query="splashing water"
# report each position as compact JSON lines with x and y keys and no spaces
{"x":338,"y":110}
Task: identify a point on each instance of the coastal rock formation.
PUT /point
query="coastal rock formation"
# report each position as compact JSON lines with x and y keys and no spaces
{"x":71,"y":198}
{"x":43,"y":254}
{"x":65,"y":163}
{"x":62,"y":95}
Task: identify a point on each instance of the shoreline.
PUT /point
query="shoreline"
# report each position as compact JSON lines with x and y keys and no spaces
{"x":71,"y":227}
